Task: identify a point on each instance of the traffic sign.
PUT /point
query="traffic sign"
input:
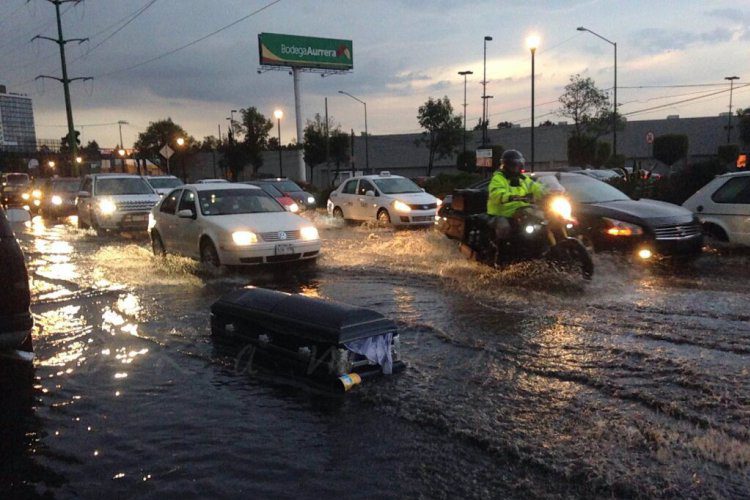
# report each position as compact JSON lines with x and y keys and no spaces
{"x":166,"y":151}
{"x":649,"y":137}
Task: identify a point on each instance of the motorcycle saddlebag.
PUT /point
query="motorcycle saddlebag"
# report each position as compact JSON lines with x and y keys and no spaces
{"x":456,"y":226}
{"x":470,"y":201}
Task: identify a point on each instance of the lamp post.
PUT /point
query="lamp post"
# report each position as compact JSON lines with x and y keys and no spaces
{"x":731,"y":88}
{"x":122,"y":152}
{"x":367,"y":151}
{"x":614,"y":114}
{"x":464,"y":74}
{"x":279,"y":115}
{"x":532,"y":42}
{"x":487,"y":38}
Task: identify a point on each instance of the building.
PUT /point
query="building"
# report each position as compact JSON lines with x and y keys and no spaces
{"x":17,"y":133}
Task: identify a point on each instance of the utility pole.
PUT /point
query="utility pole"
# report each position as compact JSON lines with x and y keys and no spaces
{"x":60,"y":41}
{"x":731,"y":88}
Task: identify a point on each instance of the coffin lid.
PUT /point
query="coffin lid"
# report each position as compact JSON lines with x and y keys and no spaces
{"x":311,"y":318}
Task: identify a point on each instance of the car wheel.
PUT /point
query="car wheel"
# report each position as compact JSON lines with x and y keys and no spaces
{"x":28,"y":344}
{"x":209,"y":255}
{"x":384,"y":217}
{"x":81,"y":224}
{"x":715,"y":237}
{"x":99,"y":230}
{"x":338,"y":213}
{"x":157,"y":245}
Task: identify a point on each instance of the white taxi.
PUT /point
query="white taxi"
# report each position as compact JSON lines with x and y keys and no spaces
{"x":230,"y":224}
{"x":390,"y":199}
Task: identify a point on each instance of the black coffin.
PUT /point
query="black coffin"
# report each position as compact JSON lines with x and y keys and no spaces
{"x":317,"y":320}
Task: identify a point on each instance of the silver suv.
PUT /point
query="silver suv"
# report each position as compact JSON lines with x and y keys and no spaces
{"x":115,"y":202}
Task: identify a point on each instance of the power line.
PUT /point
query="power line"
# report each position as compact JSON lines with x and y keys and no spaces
{"x":190,"y":44}
{"x":132,"y":18}
{"x":683,"y":101}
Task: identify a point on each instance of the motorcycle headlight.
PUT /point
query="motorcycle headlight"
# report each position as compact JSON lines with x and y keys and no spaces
{"x":400,"y":206}
{"x":56,"y":200}
{"x":244,"y":238}
{"x":294,"y":208}
{"x":309,"y":233}
{"x":561,"y":206}
{"x":310,"y":200}
{"x":107,"y":207}
{"x":616,"y":227}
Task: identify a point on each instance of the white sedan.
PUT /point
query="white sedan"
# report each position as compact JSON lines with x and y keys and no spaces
{"x":230,"y":224}
{"x":723,"y":207}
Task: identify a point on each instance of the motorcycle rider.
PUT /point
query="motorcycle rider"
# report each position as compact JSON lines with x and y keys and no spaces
{"x":509,"y":189}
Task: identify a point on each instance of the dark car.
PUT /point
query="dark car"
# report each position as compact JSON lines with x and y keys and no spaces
{"x":290,"y":188}
{"x":270,"y":189}
{"x":15,"y":318}
{"x":610,"y":220}
{"x":16,"y":190}
{"x":58,"y":197}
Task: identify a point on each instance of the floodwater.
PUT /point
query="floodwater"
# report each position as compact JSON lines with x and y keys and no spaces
{"x":520,"y":383}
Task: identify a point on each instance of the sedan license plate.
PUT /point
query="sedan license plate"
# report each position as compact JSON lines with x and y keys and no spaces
{"x":285,"y":249}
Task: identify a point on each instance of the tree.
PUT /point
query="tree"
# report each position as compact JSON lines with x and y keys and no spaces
{"x":444,"y":130}
{"x":744,"y":126}
{"x":255,"y":127}
{"x":504,"y":125}
{"x":589,"y":108}
{"x":157,"y":135}
{"x":91,"y":151}
{"x":670,"y":147}
{"x":338,"y":144}
{"x":210,"y":143}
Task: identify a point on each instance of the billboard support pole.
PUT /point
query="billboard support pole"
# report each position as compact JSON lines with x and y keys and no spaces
{"x":301,"y":174}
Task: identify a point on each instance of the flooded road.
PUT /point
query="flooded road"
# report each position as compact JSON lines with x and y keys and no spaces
{"x":520,"y":383}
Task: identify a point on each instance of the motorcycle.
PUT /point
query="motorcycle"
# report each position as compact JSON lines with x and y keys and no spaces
{"x":538,"y":231}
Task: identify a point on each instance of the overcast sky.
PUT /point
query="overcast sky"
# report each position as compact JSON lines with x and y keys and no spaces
{"x":405,"y":51}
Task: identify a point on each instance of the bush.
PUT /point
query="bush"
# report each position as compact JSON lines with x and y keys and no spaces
{"x":444,"y":184}
{"x":728,"y":153}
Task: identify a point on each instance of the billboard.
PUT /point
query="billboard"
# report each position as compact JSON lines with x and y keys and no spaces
{"x":305,"y":51}
{"x":484,"y":158}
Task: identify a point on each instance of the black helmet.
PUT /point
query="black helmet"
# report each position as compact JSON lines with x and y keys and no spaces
{"x":512,"y":162}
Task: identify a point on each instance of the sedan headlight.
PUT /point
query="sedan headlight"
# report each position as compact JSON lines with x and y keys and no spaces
{"x":400,"y":206}
{"x":56,"y":200}
{"x":294,"y":208}
{"x":309,"y":233}
{"x":310,"y":200}
{"x":561,"y":206}
{"x":107,"y":207}
{"x":244,"y":238}
{"x":620,"y":228}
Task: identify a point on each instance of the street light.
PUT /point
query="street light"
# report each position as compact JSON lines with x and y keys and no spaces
{"x":464,"y":74}
{"x":731,"y":88}
{"x":279,"y":115}
{"x":487,"y":38}
{"x":614,"y":115}
{"x":532,"y":42}
{"x":367,"y":151}
{"x":122,"y":152}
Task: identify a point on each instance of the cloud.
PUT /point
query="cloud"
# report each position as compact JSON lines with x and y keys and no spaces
{"x":736,"y":15}
{"x":656,"y":41}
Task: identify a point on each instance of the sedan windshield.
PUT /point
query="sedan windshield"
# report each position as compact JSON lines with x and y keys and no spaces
{"x":287,"y":186}
{"x":165,"y":182}
{"x":587,"y":190}
{"x":17,"y":179}
{"x":237,"y":201}
{"x":70,"y":186}
{"x":396,"y":185}
{"x":122,"y":185}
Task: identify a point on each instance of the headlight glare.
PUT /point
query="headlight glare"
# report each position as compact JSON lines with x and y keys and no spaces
{"x":244,"y":238}
{"x":310,"y":200}
{"x":36,"y":193}
{"x":56,"y":200}
{"x":25,"y":196}
{"x":294,"y":208}
{"x":107,"y":207}
{"x":561,"y":207}
{"x":620,"y":228}
{"x":309,"y":233}
{"x":400,"y":206}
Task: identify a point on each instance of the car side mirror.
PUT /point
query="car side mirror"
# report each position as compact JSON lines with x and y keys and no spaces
{"x":370,"y":193}
{"x":186,"y":214}
{"x":84,"y":194}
